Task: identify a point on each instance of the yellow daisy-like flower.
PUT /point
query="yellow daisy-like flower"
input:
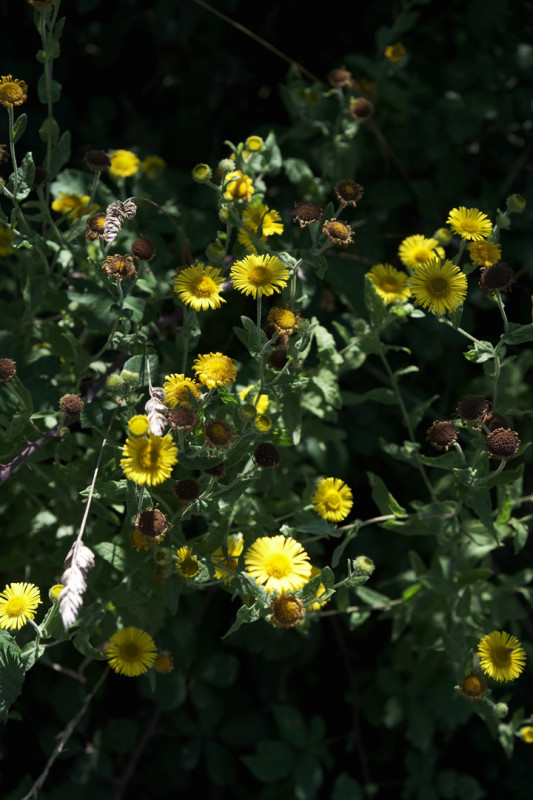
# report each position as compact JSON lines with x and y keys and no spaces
{"x":200,"y":287}
{"x":6,"y":237}
{"x":254,"y":143}
{"x":152,"y":166}
{"x":318,"y":603}
{"x":124,"y":163}
{"x":280,"y":564}
{"x":178,"y":390}
{"x":395,"y":52}
{"x":255,"y":217}
{"x":164,"y":663}
{"x":139,"y":425}
{"x":259,"y":275}
{"x":439,"y":286}
{"x":13,"y":91}
{"x":484,"y":254}
{"x":391,"y":284}
{"x":261,"y":405}
{"x":416,"y":250}
{"x":148,"y":460}
{"x":188,"y":566}
{"x":73,"y":205}
{"x":283,"y":320}
{"x":130,"y":651}
{"x":215,"y":369}
{"x":527,"y":733}
{"x":501,"y":656}
{"x":226,"y":561}
{"x":54,"y":592}
{"x":18,"y":602}
{"x":333,"y":499}
{"x":238,"y":186}
{"x":469,"y":223}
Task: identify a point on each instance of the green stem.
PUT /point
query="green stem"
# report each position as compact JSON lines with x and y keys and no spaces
{"x":405,"y":415}
{"x":13,"y":158}
{"x":502,"y":312}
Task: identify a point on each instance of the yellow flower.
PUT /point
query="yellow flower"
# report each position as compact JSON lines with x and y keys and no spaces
{"x":18,"y":602}
{"x":484,"y":254}
{"x":178,"y":390}
{"x":139,"y":425}
{"x":259,"y":275}
{"x":254,"y":143}
{"x":215,"y":369}
{"x":226,"y":560}
{"x":261,"y":405}
{"x":333,"y":499}
{"x":391,"y":284}
{"x":254,"y":218}
{"x":527,"y":733}
{"x":416,"y":250}
{"x":338,"y":232}
{"x":124,"y":163}
{"x":438,"y":286}
{"x":6,"y":237}
{"x":188,"y":566}
{"x":395,"y":52}
{"x":262,"y":423}
{"x":164,"y":663}
{"x":238,"y":186}
{"x":469,"y":223}
{"x":152,"y":166}
{"x":130,"y":651}
{"x":55,"y":591}
{"x":13,"y":92}
{"x":501,"y":656}
{"x":202,"y":173}
{"x":287,"y":611}
{"x":148,"y":460}
{"x":280,"y":564}
{"x":200,"y":287}
{"x":473,"y":686}
{"x":74,"y":205}
{"x":283,"y":320}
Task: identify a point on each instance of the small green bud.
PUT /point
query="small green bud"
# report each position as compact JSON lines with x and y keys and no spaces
{"x":163,"y":556}
{"x":443,"y":236}
{"x":215,"y":253}
{"x":262,"y":423}
{"x":502,"y":220}
{"x":501,"y":710}
{"x":363,"y":565}
{"x":54,"y":592}
{"x":201,"y":173}
{"x":515,"y":203}
{"x":226,"y":165}
{"x":247,"y":411}
{"x":129,"y":378}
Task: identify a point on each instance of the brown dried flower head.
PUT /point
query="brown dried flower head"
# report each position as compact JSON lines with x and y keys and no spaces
{"x":184,"y":418}
{"x":497,"y":278}
{"x":307,"y":212}
{"x":278,"y":358}
{"x":340,"y":77}
{"x":287,"y":611}
{"x":96,"y":160}
{"x":143,"y":249}
{"x":472,"y":408}
{"x":94,"y":227}
{"x":473,"y":686}
{"x":349,"y":192}
{"x":71,"y":405}
{"x":338,"y":232}
{"x":493,"y":421}
{"x":153,"y":524}
{"x":503,"y":443}
{"x":361,"y":108}
{"x":8,"y":370}
{"x":216,"y":471}
{"x":187,"y":491}
{"x":266,"y":456}
{"x":442,"y":435}
{"x":218,"y":433}
{"x":119,"y":268}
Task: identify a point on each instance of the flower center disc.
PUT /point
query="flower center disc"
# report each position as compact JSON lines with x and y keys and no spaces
{"x":15,"y":607}
{"x":332,"y":500}
{"x":259,"y":276}
{"x":501,"y":657}
{"x":278,"y":565}
{"x":130,"y":652}
{"x":438,"y":286}
{"x":203,"y":287}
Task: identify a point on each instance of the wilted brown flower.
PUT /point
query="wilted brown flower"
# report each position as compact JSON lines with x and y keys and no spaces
{"x":119,"y":268}
{"x":338,"y":232}
{"x":503,"y":443}
{"x":307,"y":212}
{"x":442,"y":435}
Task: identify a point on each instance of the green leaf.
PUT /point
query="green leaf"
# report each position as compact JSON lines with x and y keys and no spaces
{"x":308,"y":776}
{"x":60,"y":152}
{"x":291,"y":725}
{"x":518,"y":334}
{"x":114,"y":554}
{"x":82,"y":644}
{"x":219,"y":669}
{"x":291,"y":414}
{"x":19,"y":127}
{"x":25,"y":176}
{"x":272,"y":762}
{"x":383,"y":498}
{"x":372,"y":598}
{"x":43,"y":87}
{"x":346,"y":788}
{"x":482,"y":351}
{"x":13,"y":672}
{"x":245,"y":614}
